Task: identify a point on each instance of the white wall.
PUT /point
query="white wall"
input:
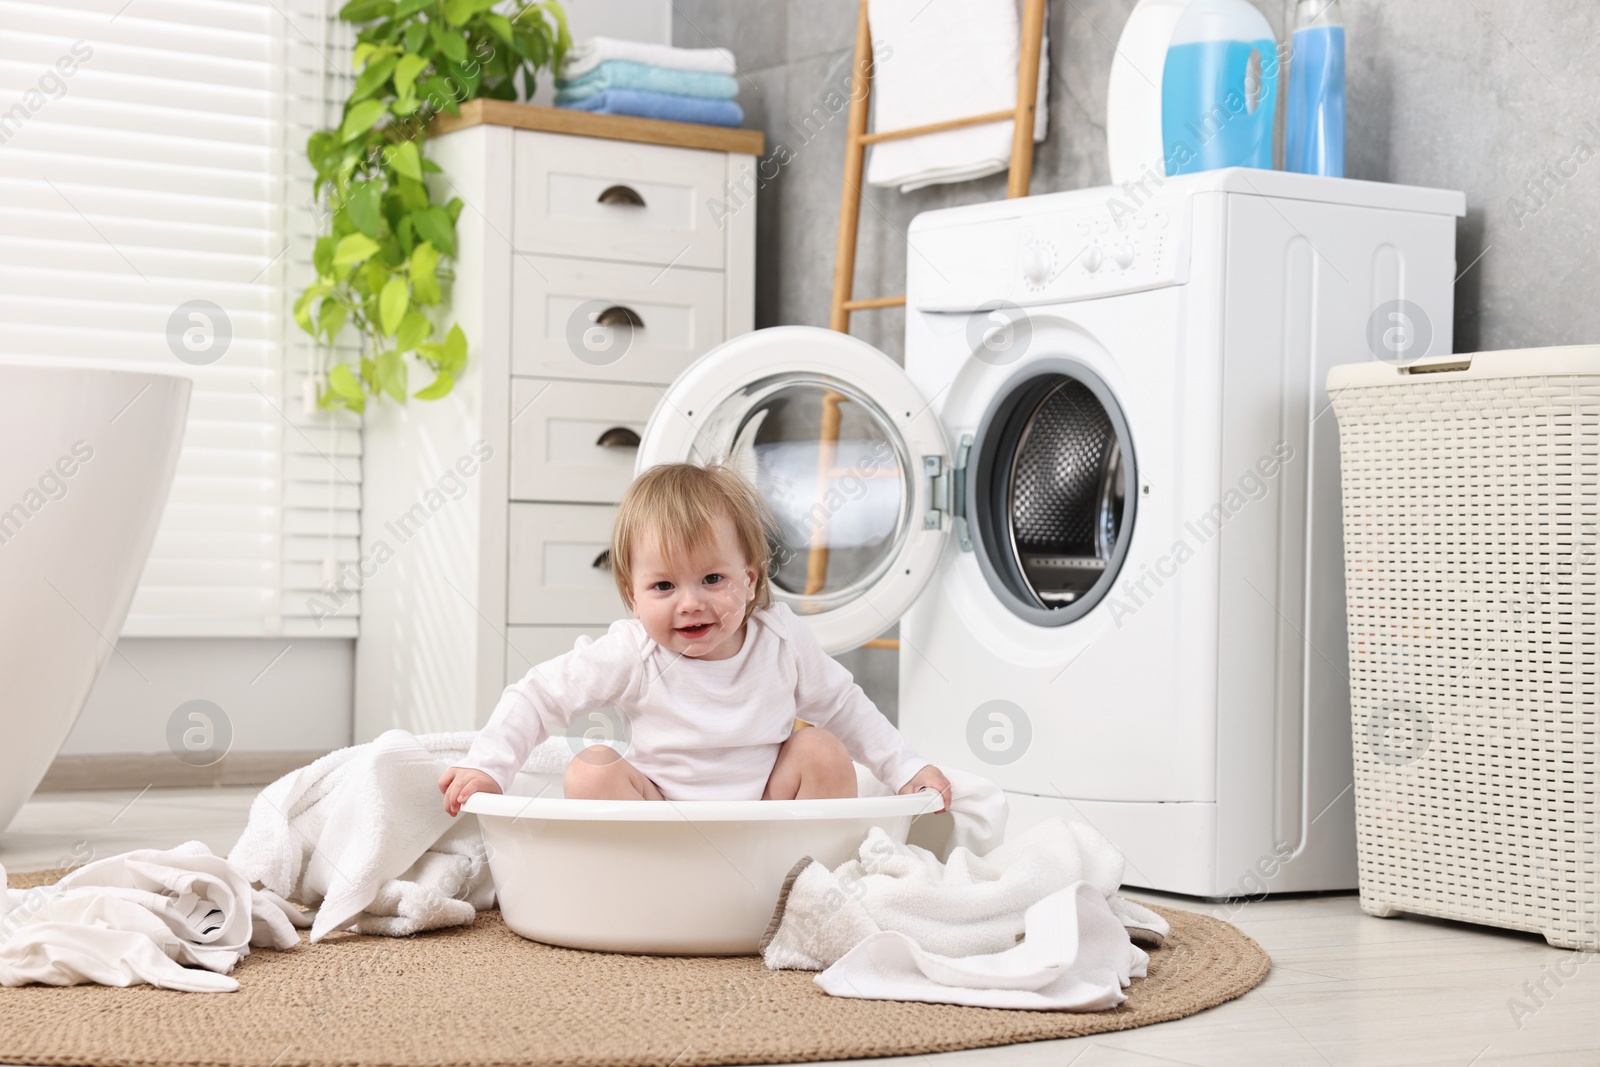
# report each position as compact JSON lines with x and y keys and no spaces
{"x":288,"y":694}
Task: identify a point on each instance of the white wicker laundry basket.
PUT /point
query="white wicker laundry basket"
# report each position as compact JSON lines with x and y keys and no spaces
{"x":1471,"y":529}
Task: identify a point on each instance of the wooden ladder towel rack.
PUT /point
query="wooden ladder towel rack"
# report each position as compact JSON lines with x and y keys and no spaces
{"x":844,"y":267}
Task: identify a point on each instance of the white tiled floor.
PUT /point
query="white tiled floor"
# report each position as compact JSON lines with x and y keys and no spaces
{"x":1345,"y":988}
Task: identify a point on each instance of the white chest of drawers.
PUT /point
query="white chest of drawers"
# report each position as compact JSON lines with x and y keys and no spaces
{"x":598,"y":257}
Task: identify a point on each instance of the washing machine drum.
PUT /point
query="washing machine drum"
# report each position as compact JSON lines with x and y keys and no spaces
{"x":1051,"y":494}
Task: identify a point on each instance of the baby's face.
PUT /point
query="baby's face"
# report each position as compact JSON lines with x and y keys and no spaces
{"x":694,"y":605}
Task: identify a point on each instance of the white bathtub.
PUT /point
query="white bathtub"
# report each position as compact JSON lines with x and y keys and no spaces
{"x":694,"y":878}
{"x":86,"y":459}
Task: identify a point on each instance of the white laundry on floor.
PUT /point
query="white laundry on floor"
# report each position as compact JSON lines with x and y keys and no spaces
{"x":965,"y":906}
{"x":1075,"y":955}
{"x":936,"y":62}
{"x":361,"y":835}
{"x":146,"y":916}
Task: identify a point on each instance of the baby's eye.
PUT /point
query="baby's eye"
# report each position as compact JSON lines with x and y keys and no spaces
{"x":661,"y":586}
{"x":713,"y":579}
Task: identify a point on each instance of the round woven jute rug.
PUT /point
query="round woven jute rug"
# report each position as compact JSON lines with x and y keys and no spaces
{"x":482,"y":995}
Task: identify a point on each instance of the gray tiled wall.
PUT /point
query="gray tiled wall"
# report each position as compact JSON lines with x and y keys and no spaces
{"x":1477,"y":95}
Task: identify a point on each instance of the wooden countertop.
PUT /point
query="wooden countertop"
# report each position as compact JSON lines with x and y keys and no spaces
{"x":614,"y":127}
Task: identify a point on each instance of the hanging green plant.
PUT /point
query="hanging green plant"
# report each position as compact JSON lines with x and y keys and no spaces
{"x":387,"y":258}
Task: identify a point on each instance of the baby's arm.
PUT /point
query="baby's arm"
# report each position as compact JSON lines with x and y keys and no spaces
{"x":544,"y":701}
{"x":827,"y":695}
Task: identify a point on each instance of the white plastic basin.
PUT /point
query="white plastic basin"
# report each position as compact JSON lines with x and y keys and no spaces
{"x":695,"y":878}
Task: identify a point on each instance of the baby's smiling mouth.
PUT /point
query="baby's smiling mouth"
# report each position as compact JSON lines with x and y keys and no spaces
{"x":694,"y":632}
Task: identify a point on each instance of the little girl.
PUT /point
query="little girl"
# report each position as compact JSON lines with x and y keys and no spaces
{"x":709,"y":673}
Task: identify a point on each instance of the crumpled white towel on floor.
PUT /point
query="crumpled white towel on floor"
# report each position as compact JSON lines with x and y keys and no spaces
{"x":361,"y":835}
{"x":1075,"y":956}
{"x":966,"y":906}
{"x":146,"y":916}
{"x":948,"y":59}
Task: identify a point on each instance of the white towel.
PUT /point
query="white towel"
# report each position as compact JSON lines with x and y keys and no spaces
{"x":966,"y":906}
{"x":362,"y":836}
{"x":976,"y":820}
{"x":146,"y":916}
{"x":588,"y":54}
{"x":948,"y":59}
{"x":1075,"y":956}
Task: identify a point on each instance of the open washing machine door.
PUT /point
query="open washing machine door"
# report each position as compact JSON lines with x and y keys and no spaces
{"x":846,"y":452}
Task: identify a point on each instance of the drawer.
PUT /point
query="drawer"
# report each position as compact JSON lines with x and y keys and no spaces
{"x":551,"y":576}
{"x":576,"y":441}
{"x":578,"y":196}
{"x":532,"y":645}
{"x":576,"y":318}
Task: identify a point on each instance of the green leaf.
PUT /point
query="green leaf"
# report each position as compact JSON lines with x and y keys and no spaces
{"x":451,"y":43}
{"x":416,"y":33}
{"x":410,"y":195}
{"x":302,"y":310}
{"x":369,"y":373}
{"x":342,"y":383}
{"x":393,"y":303}
{"x":501,"y":26}
{"x":366,"y":10}
{"x":354,"y":249}
{"x":453,"y":209}
{"x":435,"y":226}
{"x":322,"y":255}
{"x":406,"y":160}
{"x":406,"y":70}
{"x":363,"y":207}
{"x":414,"y":329}
{"x":358,"y":118}
{"x":424,"y":279}
{"x":331,"y":319}
{"x":392,"y":374}
{"x":406,"y":8}
{"x":457,"y":11}
{"x":373,"y":77}
{"x":455,"y":349}
{"x":441,"y":386}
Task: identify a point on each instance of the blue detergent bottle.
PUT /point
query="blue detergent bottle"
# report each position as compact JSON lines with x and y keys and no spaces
{"x":1314,"y":125}
{"x":1219,"y":88}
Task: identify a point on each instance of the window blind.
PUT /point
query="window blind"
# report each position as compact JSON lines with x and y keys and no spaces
{"x":155,"y":214}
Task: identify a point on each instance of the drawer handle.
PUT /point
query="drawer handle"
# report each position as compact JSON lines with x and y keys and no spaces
{"x":618,"y":437}
{"x":602,"y":562}
{"x":617,"y":315}
{"x":621,"y":194}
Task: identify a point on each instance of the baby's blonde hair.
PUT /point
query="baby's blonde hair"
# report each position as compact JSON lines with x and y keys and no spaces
{"x":679,"y":503}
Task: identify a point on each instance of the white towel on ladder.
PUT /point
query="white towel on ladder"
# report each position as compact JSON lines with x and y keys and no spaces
{"x":947,"y":59}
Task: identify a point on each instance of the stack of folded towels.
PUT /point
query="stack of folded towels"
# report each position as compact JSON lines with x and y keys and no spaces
{"x":655,"y":81}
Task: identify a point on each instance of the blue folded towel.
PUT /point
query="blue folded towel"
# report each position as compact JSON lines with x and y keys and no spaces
{"x":647,"y":105}
{"x":622,"y":74}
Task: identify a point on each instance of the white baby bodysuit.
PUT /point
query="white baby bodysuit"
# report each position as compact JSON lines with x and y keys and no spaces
{"x":699,"y":729}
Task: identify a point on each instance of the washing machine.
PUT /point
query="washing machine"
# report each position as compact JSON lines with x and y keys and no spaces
{"x":1100,"y":499}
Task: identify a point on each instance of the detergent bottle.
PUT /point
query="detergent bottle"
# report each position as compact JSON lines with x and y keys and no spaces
{"x":1314,"y":124}
{"x":1194,"y":86}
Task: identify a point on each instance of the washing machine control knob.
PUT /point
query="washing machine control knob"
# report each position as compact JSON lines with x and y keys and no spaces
{"x":1037,"y":263}
{"x":1092,"y":258}
{"x":1123,"y":255}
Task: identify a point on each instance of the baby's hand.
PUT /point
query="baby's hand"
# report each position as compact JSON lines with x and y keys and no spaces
{"x":459,"y":783}
{"x":930,"y":778}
